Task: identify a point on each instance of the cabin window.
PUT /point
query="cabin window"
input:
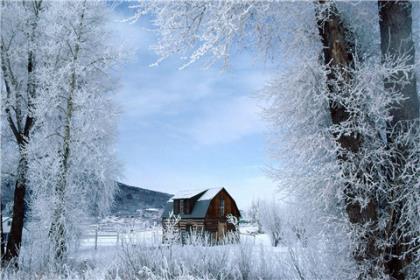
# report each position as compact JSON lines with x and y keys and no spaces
{"x":181,"y":206}
{"x":222,"y":207}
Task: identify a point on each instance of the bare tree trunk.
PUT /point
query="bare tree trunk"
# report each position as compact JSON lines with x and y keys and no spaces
{"x":338,"y":55}
{"x":396,"y":41}
{"x":21,"y":133}
{"x":15,"y":234}
{"x":1,"y":230}
{"x":58,"y":226}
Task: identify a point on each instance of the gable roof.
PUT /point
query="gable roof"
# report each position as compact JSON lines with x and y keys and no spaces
{"x":201,"y":205}
{"x":185,"y":194}
{"x":210,"y":194}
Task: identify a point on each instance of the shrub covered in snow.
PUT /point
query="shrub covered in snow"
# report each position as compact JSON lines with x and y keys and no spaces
{"x":199,"y":258}
{"x":247,"y":259}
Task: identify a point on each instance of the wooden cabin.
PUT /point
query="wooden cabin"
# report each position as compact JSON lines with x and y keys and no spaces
{"x":202,"y":211}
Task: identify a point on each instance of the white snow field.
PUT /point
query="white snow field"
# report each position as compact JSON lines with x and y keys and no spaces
{"x":128,"y":249}
{"x":103,"y":241}
{"x":131,"y":248}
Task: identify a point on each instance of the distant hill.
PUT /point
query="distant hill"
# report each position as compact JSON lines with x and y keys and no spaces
{"x":129,"y":199}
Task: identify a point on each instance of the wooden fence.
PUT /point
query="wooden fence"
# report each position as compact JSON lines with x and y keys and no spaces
{"x":116,"y":232}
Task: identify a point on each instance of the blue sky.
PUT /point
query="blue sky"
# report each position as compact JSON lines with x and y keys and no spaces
{"x":191,"y":128}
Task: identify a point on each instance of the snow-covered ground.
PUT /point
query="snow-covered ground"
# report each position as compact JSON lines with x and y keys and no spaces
{"x":113,"y":235}
{"x":102,"y":242}
{"x":128,"y":249}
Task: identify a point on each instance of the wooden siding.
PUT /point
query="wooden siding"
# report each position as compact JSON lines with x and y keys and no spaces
{"x":213,"y":221}
{"x":194,"y":223}
{"x":211,"y":224}
{"x":188,"y":204}
{"x":187,"y":207}
{"x":176,"y":206}
{"x":230,"y":206}
{"x":192,"y":201}
{"x":184,"y":222}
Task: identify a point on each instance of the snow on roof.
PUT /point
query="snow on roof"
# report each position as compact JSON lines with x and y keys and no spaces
{"x":187,"y":193}
{"x":200,"y":207}
{"x":210,"y":193}
{"x":199,"y":210}
{"x":152,"y":209}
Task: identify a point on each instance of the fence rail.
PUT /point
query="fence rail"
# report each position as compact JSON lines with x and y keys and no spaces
{"x":115,"y":233}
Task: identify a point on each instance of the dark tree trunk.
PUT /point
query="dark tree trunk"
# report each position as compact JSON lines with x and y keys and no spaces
{"x":338,"y":57}
{"x":21,"y":133}
{"x":1,"y":229}
{"x":15,"y":235}
{"x":396,"y":41}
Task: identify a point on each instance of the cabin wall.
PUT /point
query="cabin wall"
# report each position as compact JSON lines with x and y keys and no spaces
{"x":192,"y":201}
{"x":196,"y":224}
{"x":176,"y":206}
{"x":183,"y":223}
{"x":230,"y":207}
{"x":210,"y":225}
{"x":187,"y":206}
{"x":213,"y":222}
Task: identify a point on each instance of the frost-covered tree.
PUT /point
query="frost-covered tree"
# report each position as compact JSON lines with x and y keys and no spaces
{"x":403,"y":131}
{"x":344,"y":109}
{"x":73,"y":167}
{"x":271,"y":220}
{"x":171,"y":232}
{"x":56,"y":89}
{"x":20,"y":64}
{"x":254,"y":214}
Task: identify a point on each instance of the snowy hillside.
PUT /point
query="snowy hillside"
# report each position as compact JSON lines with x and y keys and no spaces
{"x":130,"y":200}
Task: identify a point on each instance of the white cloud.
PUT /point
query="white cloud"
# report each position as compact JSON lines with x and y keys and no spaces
{"x":227,"y":122}
{"x":165,"y":110}
{"x":160,"y":93}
